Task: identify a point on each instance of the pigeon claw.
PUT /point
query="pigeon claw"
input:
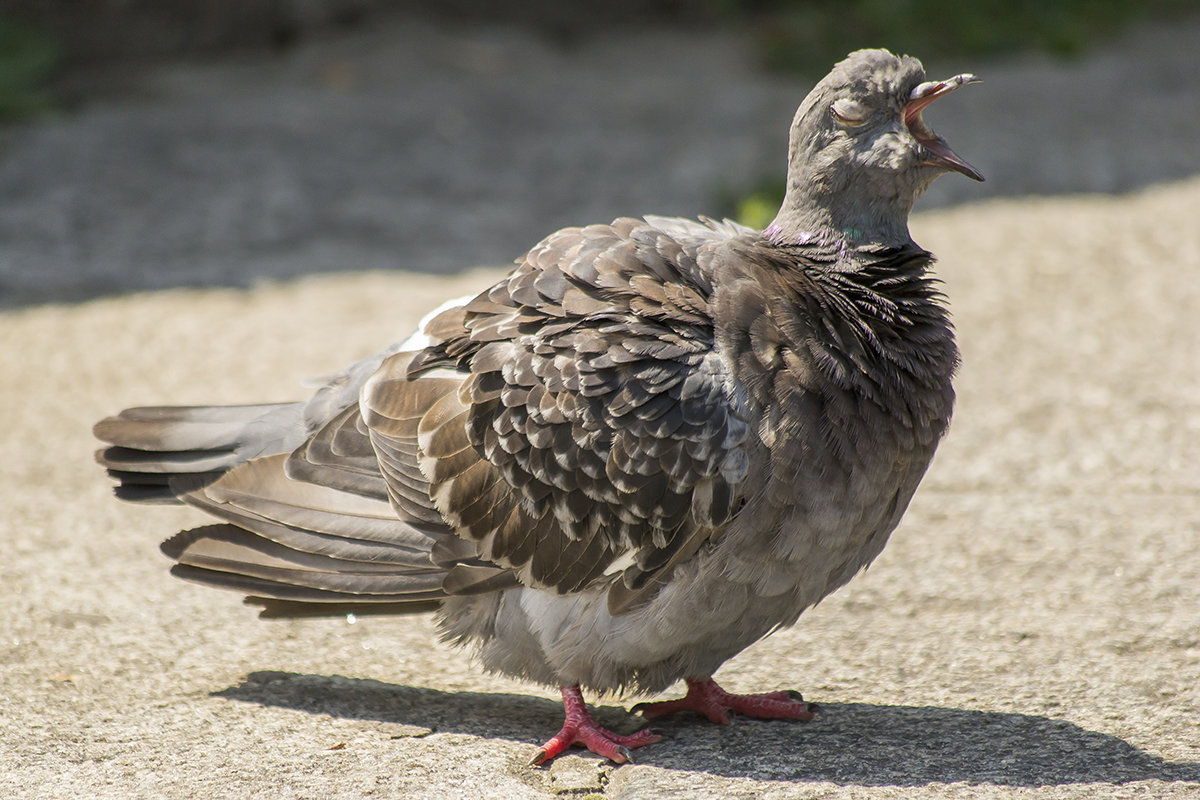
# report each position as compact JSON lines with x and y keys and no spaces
{"x":709,"y":700}
{"x":579,"y":728}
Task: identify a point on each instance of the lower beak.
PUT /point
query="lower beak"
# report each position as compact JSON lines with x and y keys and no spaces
{"x":940,"y":154}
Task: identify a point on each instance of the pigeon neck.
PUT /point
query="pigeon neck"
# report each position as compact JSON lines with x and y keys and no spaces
{"x":847,"y":211}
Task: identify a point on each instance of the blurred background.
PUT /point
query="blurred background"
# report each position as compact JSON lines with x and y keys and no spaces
{"x":147,"y":144}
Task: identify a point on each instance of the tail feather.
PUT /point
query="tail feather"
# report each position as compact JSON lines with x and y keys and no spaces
{"x":232,"y":557}
{"x":308,"y":524}
{"x":157,"y":487}
{"x":278,"y":590}
{"x":167,"y":428}
{"x":149,"y":445}
{"x":302,"y":548}
{"x":274,"y":608}
{"x":125,"y":459}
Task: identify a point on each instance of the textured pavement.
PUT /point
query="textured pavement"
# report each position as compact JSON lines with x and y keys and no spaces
{"x":407,"y":146}
{"x":1033,"y":629}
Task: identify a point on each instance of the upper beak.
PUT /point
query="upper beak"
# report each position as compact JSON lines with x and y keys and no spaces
{"x":940,"y":152}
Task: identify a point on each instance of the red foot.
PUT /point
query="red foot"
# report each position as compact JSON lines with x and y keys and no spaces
{"x":580,"y":728}
{"x":709,"y":700}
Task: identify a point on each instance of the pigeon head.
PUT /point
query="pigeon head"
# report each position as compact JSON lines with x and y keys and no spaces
{"x":860,"y":152}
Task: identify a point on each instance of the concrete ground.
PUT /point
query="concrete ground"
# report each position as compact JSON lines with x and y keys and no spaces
{"x":1033,"y":629}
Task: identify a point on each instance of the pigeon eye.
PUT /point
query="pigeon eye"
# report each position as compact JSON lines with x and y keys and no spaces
{"x":850,"y":113}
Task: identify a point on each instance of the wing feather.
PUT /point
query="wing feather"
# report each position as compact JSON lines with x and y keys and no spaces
{"x":576,"y":411}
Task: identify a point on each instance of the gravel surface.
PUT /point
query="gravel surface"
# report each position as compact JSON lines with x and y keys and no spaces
{"x":1033,"y":630}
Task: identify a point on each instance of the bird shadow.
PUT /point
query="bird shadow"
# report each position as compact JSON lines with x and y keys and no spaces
{"x":848,"y":744}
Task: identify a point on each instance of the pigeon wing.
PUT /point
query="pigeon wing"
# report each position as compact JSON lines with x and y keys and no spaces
{"x":575,"y":420}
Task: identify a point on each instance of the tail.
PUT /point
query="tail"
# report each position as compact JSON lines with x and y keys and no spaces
{"x":305,"y":530}
{"x":155,"y":448}
{"x":303,"y":549}
{"x":307,"y":526}
{"x":158,"y":452}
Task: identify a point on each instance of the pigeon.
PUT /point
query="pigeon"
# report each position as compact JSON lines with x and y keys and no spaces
{"x":648,"y":446}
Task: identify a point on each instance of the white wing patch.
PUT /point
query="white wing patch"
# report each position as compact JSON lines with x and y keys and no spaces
{"x":419,"y":339}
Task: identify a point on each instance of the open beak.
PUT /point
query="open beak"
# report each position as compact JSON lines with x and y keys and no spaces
{"x":940,"y":154}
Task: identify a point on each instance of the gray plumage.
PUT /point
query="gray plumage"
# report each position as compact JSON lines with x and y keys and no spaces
{"x":648,"y":446}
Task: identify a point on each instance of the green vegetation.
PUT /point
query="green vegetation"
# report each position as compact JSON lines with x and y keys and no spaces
{"x":28,"y":57}
{"x":758,"y":207}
